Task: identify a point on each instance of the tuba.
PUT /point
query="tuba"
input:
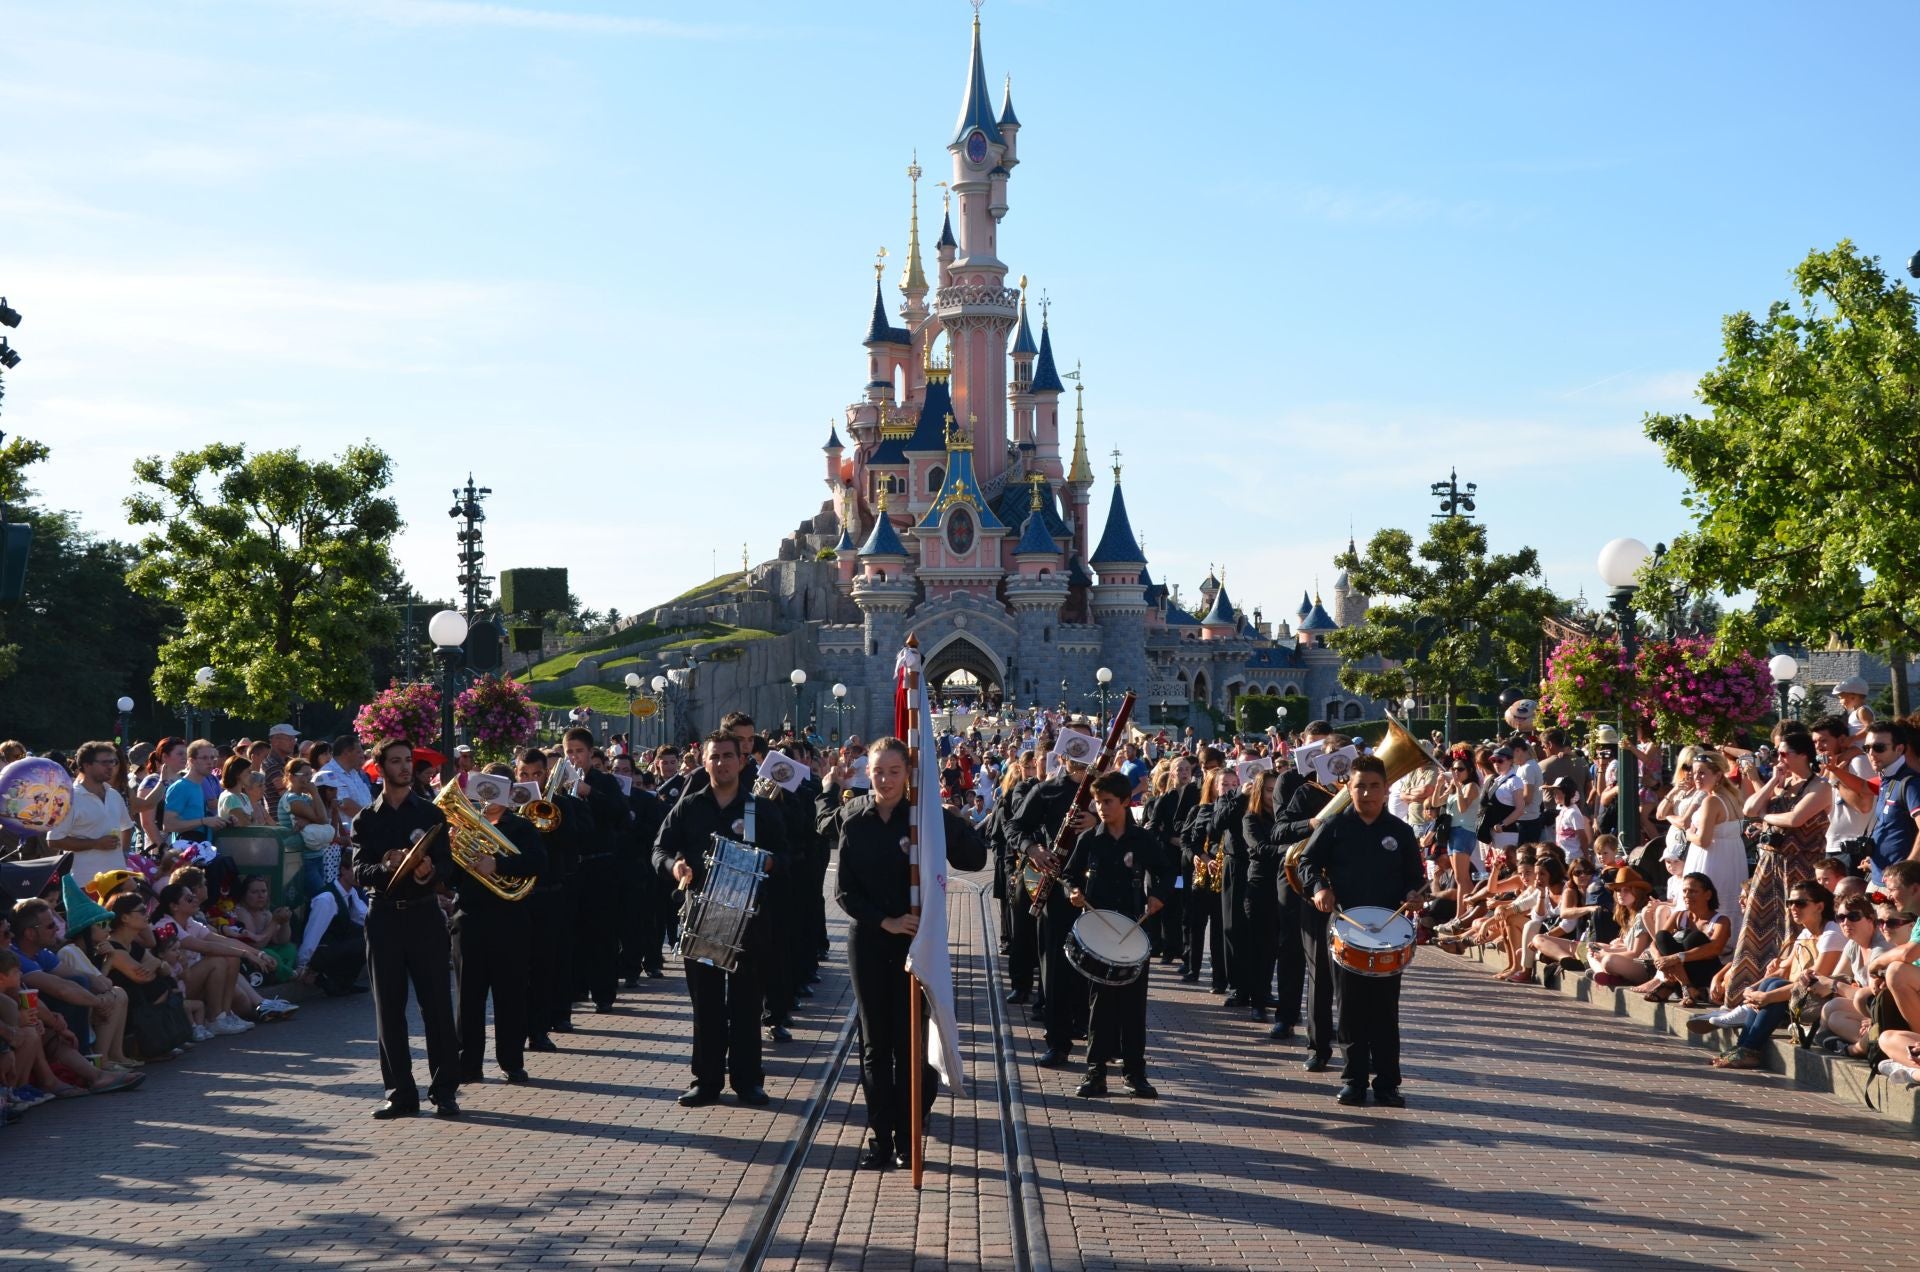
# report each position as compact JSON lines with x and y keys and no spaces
{"x":1402,"y":755}
{"x":471,"y":836}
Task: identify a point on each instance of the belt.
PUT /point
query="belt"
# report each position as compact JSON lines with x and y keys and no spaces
{"x":596,"y":856}
{"x":409,"y":903}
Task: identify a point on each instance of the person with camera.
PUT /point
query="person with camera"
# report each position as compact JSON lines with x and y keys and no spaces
{"x":1850,"y":779}
{"x":1791,"y":810}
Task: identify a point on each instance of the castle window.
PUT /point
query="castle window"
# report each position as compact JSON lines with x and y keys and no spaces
{"x":1046,"y":633}
{"x":936,"y":476}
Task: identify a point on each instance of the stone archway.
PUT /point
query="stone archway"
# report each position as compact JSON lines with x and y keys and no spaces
{"x":969,"y":668}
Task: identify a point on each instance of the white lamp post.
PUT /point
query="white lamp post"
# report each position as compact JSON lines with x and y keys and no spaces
{"x":1619,"y":567}
{"x":1105,"y":677}
{"x":1783,"y":668}
{"x":448,"y":631}
{"x":798,"y":679}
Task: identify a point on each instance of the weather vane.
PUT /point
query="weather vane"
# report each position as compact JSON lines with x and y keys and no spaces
{"x":879,"y":262}
{"x":1116,"y":465}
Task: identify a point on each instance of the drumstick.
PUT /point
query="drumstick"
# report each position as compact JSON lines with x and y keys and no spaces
{"x":1122,"y":933}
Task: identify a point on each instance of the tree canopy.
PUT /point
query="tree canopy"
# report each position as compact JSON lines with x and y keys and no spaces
{"x":1804,"y":480}
{"x":277,"y":564}
{"x":1455,"y":619}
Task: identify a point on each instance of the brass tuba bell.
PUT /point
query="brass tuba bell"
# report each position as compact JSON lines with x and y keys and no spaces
{"x":471,"y":836}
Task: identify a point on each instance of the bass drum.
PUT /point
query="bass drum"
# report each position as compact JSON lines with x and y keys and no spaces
{"x":1108,"y":948}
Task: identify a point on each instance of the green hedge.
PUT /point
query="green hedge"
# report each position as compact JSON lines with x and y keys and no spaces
{"x":1463,"y":730}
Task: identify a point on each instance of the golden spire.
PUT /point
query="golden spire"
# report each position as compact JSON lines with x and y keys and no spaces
{"x":1116,"y":465}
{"x":1036,"y":480}
{"x":1080,"y":470}
{"x":958,"y":439}
{"x":880,"y":499}
{"x":914,"y":280}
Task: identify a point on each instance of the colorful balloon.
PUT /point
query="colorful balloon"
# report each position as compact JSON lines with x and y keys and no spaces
{"x":35,"y":794}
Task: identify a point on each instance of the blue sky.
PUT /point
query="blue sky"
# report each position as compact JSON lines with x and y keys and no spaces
{"x":616,"y":258}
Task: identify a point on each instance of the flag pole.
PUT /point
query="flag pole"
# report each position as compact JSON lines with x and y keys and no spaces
{"x":917,"y":1043}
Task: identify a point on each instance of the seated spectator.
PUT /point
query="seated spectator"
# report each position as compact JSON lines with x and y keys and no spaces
{"x":210,"y":963}
{"x":1846,"y":998}
{"x":1624,"y":961}
{"x":333,"y":949}
{"x":98,"y":826}
{"x":1897,"y":1005}
{"x":1534,"y":910}
{"x":1689,"y":950}
{"x":158,"y":1027}
{"x":45,"y":1056}
{"x":1582,"y":901}
{"x":263,"y":925}
{"x":1815,"y":952}
{"x":80,"y":961}
{"x":37,"y":941}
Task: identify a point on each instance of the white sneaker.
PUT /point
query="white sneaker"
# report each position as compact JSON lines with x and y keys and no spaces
{"x":201,"y":1033}
{"x":282,"y":1006}
{"x":1731,"y":1018}
{"x":1894,"y":1071}
{"x":227,"y":1023}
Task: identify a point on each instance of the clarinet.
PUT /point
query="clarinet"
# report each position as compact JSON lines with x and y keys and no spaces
{"x":1063,"y":842}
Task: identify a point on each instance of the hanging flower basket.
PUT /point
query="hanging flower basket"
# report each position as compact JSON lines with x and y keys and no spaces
{"x":1586,"y":676}
{"x":1695,"y":694}
{"x":409,"y":711}
{"x":499,"y":716}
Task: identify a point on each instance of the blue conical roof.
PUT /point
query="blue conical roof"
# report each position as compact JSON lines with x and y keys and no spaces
{"x":845,"y":543}
{"x":976,"y":110}
{"x":1177,"y":617}
{"x":881,"y":331}
{"x":1117,"y":544}
{"x":1011,"y":508}
{"x":1318,"y":620}
{"x":1221,"y":615}
{"x":884,"y":541}
{"x":1023,"y":334}
{"x":1036,"y":538}
{"x":1045,"y":378}
{"x":929,"y":433}
{"x":946,"y":232}
{"x":1007,"y":118}
{"x":1306,"y":606}
{"x":833,"y":440}
{"x":1077,"y":573}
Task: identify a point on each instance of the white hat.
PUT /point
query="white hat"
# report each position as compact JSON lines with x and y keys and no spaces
{"x":463,"y":749}
{"x":283,"y":731}
{"x":1852,"y":684}
{"x":1674,"y":852}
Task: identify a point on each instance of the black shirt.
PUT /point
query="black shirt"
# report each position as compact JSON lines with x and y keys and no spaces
{"x":1119,"y":874}
{"x":1365,"y":864}
{"x":532,"y":860}
{"x":379,"y":829}
{"x":568,"y":842}
{"x":874,"y":882}
{"x":611,"y":815}
{"x":1037,"y":820}
{"x":687,"y":834}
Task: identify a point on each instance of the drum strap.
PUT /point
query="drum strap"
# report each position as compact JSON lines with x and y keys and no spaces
{"x":747,"y":820}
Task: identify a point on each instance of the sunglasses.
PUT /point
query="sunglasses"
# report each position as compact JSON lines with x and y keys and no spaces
{"x":1878,"y":748}
{"x":1798,"y":902}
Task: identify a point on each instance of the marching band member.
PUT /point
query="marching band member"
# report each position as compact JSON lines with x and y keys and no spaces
{"x":1203,"y":907}
{"x":1270,"y":928}
{"x":1023,"y":937}
{"x":492,"y":948}
{"x":1292,"y":826}
{"x":1168,"y":815}
{"x":873,"y":889}
{"x":406,"y":935}
{"x":726,"y":1007}
{"x":642,"y":896}
{"x":1229,"y":810}
{"x":1117,"y":866}
{"x":550,"y":974}
{"x":596,"y":884}
{"x":1035,"y":826}
{"x":1365,"y":856}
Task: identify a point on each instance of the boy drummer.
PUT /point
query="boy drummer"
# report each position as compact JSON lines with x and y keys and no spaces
{"x":1110,"y":870}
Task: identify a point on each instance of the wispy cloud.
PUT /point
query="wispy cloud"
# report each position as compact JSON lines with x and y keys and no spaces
{"x":487,"y":13}
{"x":1645,"y":390}
{"x":264,"y":145}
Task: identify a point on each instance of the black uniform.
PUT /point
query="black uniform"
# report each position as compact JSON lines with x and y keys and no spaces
{"x":492,"y":947}
{"x":1023,"y":933}
{"x":1366,"y":863}
{"x":596,"y":889}
{"x":726,"y":1008}
{"x":550,"y":912}
{"x":407,"y":942}
{"x":644,"y":907}
{"x":873,"y":885}
{"x":1235,"y":940}
{"x":1169,"y":927}
{"x":1119,"y":875}
{"x":1295,"y":824}
{"x":1270,"y":927}
{"x":1035,"y":823}
{"x":1203,"y":905}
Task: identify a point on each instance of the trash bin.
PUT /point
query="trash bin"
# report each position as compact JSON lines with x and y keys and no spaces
{"x":269,"y":851}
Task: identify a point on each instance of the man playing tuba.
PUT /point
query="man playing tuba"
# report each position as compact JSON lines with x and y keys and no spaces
{"x":492,"y":933}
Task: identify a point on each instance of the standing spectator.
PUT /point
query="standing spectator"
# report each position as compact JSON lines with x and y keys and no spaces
{"x":1532,"y":826}
{"x":282,"y":741}
{"x":1712,"y":828}
{"x":166,"y":762}
{"x":186,"y":812}
{"x":1896,"y":812}
{"x":98,"y":825}
{"x":1849,"y":775}
{"x":238,"y":781}
{"x":301,"y":812}
{"x":1793,"y":807}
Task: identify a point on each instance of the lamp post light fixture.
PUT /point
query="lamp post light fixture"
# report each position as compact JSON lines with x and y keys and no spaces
{"x":1104,"y":676}
{"x":1408,"y":706}
{"x":1783,"y":668}
{"x":125,"y":706}
{"x":798,"y":679}
{"x":840,"y":709}
{"x":1619,"y":567}
{"x":448,"y":631}
{"x":633,"y":682}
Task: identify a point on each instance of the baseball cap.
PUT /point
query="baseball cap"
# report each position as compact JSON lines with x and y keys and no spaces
{"x":1852,"y":684}
{"x":463,"y":749}
{"x":1674,"y":852}
{"x":283,"y":731}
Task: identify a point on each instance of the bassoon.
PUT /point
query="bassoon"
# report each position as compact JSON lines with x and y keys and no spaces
{"x":1063,"y":842}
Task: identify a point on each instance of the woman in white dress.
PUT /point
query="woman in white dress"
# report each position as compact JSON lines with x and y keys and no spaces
{"x":1713,"y":827}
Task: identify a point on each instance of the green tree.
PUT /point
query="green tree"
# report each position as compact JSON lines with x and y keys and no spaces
{"x":16,"y":456}
{"x":277,"y":565}
{"x":1452,"y":618}
{"x":1804,"y":480}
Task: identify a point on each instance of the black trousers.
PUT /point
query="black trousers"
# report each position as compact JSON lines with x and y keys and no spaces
{"x":1203,"y":917}
{"x":641,"y":917}
{"x":1318,"y":969}
{"x":1169,"y":927}
{"x":726,"y":1023}
{"x":1065,"y":988}
{"x":777,"y":974}
{"x":1119,"y":1029}
{"x":1261,"y":915}
{"x":1233,"y":925}
{"x":882,"y":995}
{"x":550,"y":961}
{"x":1700,"y":971}
{"x":490,"y":958}
{"x":409,"y":946}
{"x":1369,"y":1028}
{"x":1290,"y":955}
{"x":594,"y":893}
{"x":1023,"y":954}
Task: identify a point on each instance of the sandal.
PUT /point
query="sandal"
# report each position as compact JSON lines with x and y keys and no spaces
{"x":1738,"y":1060}
{"x":118,"y":1082}
{"x":69,"y":1092}
{"x":1516,"y":978}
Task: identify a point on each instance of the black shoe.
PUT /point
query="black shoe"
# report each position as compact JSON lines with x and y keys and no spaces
{"x":1259,"y":1014}
{"x":902,"y":1161}
{"x":1218,"y":989}
{"x":1280,"y":1033}
{"x":755,"y":1095}
{"x":1318,"y":1062}
{"x":603,"y":1010}
{"x":562,"y":1026}
{"x":1136,"y":1085}
{"x":1389,"y":1096}
{"x":1054,"y":1058}
{"x":1352,"y":1093}
{"x":1095,"y":1085}
{"x":1190,"y":978}
{"x":632,"y":982}
{"x":446,"y":1108}
{"x":654,"y":973}
{"x":472,"y":1079}
{"x":1017,"y":996}
{"x":518,"y":1077}
{"x":1234,"y":1000}
{"x":540,"y":1042}
{"x":397,"y":1108}
{"x":877,"y":1157}
{"x":779,"y":1033}
{"x":697,"y":1096}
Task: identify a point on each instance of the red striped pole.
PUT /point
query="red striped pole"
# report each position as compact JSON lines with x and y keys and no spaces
{"x":917,"y":1042}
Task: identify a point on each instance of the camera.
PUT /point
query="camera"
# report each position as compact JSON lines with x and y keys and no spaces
{"x":1772,"y":837}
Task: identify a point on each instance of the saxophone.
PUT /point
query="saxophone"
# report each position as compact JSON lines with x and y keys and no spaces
{"x":1209,"y":866}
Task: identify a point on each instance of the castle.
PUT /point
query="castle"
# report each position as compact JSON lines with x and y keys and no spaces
{"x":957,"y":513}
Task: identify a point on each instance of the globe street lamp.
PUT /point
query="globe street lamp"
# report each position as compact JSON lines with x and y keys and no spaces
{"x":1783,"y":668}
{"x":448,"y":631}
{"x":1408,"y":706}
{"x":840,"y":709}
{"x":1619,"y":567}
{"x":798,"y":680}
{"x":201,"y":679}
{"x":1105,"y":677}
{"x":633,"y":682}
{"x":126,"y":709}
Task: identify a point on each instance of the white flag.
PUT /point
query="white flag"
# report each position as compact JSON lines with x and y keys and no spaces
{"x":928,"y":958}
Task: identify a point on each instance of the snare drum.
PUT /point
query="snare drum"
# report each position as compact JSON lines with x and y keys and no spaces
{"x":1370,"y":940}
{"x":713,"y":925}
{"x":1108,"y":948}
